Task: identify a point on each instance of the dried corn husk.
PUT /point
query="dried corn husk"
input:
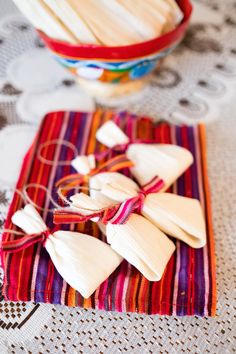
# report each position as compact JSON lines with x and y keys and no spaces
{"x":83,"y":261}
{"x":72,"y":21}
{"x":177,"y":216}
{"x":108,"y":22}
{"x":164,"y":160}
{"x":44,"y":19}
{"x":138,"y":241}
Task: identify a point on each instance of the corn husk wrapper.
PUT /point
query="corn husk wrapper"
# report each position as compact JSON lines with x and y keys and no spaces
{"x":44,"y":19}
{"x":164,"y":160}
{"x":138,"y":241}
{"x":107,"y":26}
{"x":142,"y":245}
{"x":177,"y":216}
{"x":145,"y":14}
{"x":111,"y":135}
{"x":84,"y":164}
{"x":176,"y":12}
{"x":72,"y":21}
{"x":162,"y":7}
{"x":83,"y":261}
{"x":147,"y":25}
{"x":169,"y":9}
{"x":167,"y":161}
{"x":78,"y":21}
{"x":140,"y":26}
{"x":97,"y":182}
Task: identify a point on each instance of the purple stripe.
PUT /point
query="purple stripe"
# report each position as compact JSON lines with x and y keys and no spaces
{"x":43,"y":265}
{"x":41,"y":276}
{"x":182,"y":297}
{"x":74,"y":117}
{"x":199,"y":284}
{"x":57,"y":279}
{"x":199,"y":290}
{"x":60,"y":169}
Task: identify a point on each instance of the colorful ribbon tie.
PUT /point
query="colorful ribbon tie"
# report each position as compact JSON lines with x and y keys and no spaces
{"x":25,"y":242}
{"x":115,"y":214}
{"x":74,"y":180}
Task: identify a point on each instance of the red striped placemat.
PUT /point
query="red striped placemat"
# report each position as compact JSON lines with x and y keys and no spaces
{"x":188,"y":286}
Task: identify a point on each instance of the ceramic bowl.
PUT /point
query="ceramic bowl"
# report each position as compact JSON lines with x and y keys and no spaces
{"x":120,"y":69}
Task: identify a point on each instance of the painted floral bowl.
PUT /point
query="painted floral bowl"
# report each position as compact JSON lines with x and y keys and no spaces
{"x":114,"y":71}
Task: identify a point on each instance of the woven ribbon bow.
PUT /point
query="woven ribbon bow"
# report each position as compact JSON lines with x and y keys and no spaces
{"x":117,"y":214}
{"x":25,"y":242}
{"x":76,"y":179}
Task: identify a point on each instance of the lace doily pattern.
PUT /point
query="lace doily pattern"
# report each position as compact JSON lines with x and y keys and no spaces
{"x":196,"y":83}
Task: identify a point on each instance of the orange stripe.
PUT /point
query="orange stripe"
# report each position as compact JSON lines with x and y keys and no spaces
{"x":68,"y":178}
{"x":106,"y":117}
{"x":202,"y":136}
{"x":143,"y":295}
{"x":94,"y":126}
{"x":71,"y":297}
{"x":132,"y":290}
{"x":87,"y":303}
{"x":122,"y":165}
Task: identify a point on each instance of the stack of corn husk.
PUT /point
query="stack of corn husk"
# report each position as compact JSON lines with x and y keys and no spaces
{"x":102,"y":22}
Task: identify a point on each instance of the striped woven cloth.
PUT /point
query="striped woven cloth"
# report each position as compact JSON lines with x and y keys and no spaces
{"x":188,"y":286}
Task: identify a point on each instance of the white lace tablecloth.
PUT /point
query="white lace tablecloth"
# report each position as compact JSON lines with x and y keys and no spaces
{"x":196,"y":83}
